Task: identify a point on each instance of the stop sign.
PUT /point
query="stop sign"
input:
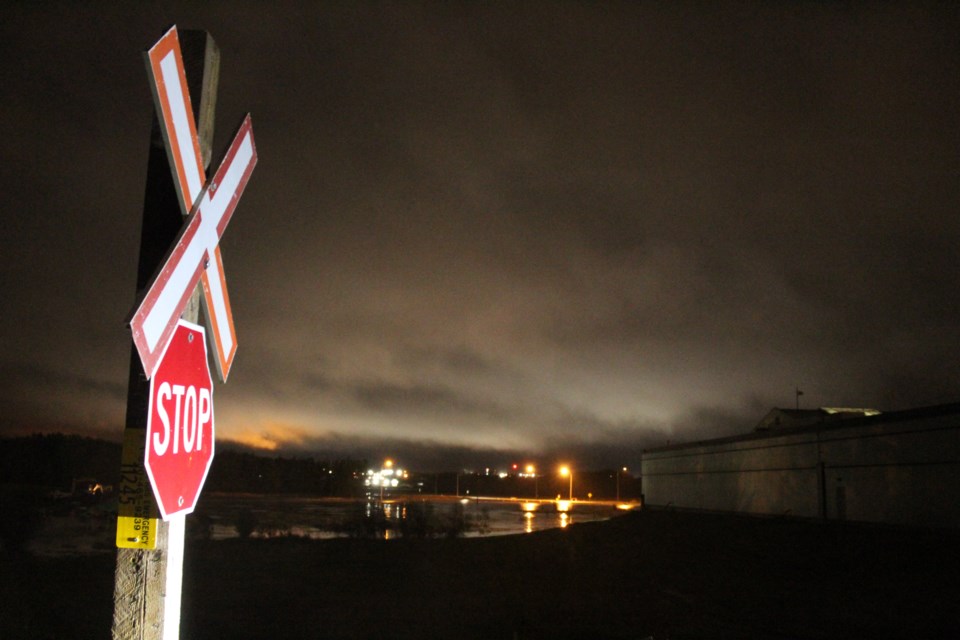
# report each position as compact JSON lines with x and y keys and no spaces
{"x":180,"y":422}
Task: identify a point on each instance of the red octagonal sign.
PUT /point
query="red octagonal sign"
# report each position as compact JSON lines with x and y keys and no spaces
{"x":180,"y":423}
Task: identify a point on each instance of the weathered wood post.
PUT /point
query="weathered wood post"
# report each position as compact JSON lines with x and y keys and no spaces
{"x":150,"y":553}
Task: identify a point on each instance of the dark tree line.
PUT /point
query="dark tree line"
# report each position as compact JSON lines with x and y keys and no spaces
{"x":244,"y":472}
{"x":55,"y":460}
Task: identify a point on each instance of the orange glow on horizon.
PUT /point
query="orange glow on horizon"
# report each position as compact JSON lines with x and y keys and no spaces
{"x":269,"y":437}
{"x":256,"y":441}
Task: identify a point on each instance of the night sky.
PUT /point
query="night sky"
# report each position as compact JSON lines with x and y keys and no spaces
{"x":481,"y":232}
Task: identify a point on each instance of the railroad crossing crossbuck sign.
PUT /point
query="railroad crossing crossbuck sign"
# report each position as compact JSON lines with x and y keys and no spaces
{"x":195,"y":257}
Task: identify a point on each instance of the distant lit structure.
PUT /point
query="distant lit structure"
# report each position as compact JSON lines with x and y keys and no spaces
{"x":624,"y":470}
{"x":387,"y":477}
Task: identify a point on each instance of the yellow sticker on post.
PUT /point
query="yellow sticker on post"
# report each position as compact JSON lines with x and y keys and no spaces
{"x":137,"y":512}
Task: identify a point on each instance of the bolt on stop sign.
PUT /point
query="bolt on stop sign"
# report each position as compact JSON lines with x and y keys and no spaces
{"x":180,"y":422}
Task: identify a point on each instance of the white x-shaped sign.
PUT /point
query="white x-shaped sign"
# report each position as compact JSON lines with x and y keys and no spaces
{"x":195,"y":257}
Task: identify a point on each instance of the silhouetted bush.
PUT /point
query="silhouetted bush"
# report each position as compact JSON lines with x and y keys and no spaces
{"x":456,"y":522}
{"x":365,"y":520}
{"x":246,"y":523}
{"x":418,"y":520}
{"x":480,"y":522}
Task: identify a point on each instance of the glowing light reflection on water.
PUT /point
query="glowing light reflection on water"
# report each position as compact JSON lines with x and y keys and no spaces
{"x":321,"y":519}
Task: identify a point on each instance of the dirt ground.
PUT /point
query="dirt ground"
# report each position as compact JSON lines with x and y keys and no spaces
{"x":646,"y":574}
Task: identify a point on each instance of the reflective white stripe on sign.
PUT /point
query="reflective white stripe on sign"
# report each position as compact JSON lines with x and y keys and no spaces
{"x":181,"y":126}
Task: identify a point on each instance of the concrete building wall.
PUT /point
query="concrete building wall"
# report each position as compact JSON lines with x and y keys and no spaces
{"x":900,"y":468}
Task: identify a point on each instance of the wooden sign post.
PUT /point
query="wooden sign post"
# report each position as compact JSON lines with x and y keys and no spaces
{"x":174,"y":280}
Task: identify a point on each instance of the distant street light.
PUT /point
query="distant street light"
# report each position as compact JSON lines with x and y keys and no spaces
{"x":566,"y":471}
{"x":387,"y":464}
{"x":624,"y":469}
{"x":532,"y":471}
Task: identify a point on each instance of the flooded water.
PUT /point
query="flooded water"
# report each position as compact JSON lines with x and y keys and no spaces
{"x":226,"y":515}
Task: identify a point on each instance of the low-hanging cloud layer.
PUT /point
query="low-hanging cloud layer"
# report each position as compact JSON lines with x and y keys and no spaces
{"x":540,"y":229}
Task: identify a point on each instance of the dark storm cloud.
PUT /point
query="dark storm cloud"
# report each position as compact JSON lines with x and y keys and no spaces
{"x":50,"y":398}
{"x":508,"y":226}
{"x":439,"y":455}
{"x":26,"y":376}
{"x":457,"y":361}
{"x":418,"y":398}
